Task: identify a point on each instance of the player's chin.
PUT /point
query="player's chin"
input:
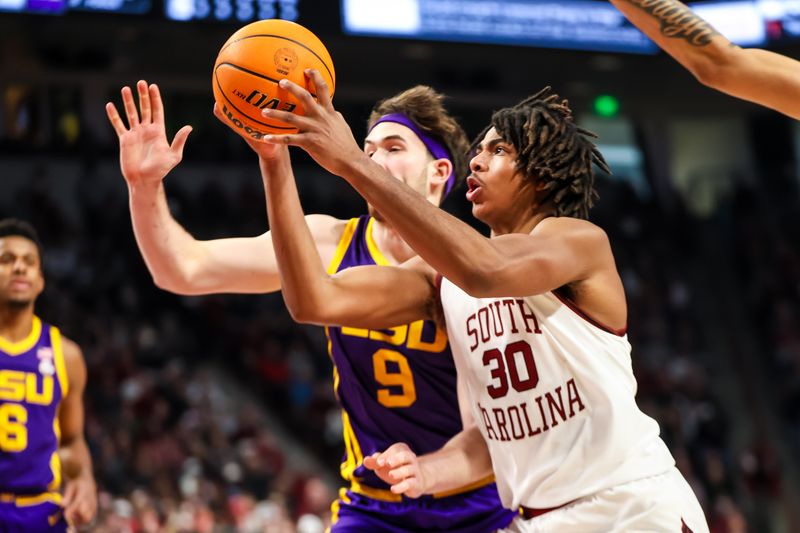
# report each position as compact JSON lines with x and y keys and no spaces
{"x":480,"y":212}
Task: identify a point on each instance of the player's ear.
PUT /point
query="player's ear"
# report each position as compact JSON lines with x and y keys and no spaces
{"x":439,"y":171}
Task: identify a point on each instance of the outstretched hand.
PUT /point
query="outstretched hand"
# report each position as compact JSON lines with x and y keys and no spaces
{"x":322,"y":131}
{"x":399,"y":467}
{"x":145,"y":155}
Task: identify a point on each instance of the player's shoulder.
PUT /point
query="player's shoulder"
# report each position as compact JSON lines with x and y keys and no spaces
{"x":72,"y":352}
{"x":326,"y":229}
{"x":570,"y":227}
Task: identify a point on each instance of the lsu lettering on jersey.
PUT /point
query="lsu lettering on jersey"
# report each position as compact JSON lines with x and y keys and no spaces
{"x":397,"y":385}
{"x":554,"y":395}
{"x":33,"y":379}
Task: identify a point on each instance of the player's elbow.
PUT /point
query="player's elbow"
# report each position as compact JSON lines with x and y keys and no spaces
{"x":712,"y":69}
{"x":307,"y":309}
{"x":175,"y":284}
{"x":480,"y":280}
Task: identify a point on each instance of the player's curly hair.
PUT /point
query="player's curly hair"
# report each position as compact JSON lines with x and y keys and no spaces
{"x":19,"y":228}
{"x":425,"y":107}
{"x":551,"y":150}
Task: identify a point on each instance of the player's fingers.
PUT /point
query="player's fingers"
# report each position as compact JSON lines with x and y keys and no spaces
{"x":400,"y":458}
{"x":130,"y":107}
{"x":305,"y":98}
{"x":289,"y":139}
{"x":116,"y":121}
{"x":402,"y":472}
{"x":156,"y":104}
{"x":144,"y":101}
{"x":407,"y":486}
{"x":301,"y":123}
{"x":180,"y":139}
{"x":218,"y":112}
{"x":320,"y":88}
{"x":371,"y":461}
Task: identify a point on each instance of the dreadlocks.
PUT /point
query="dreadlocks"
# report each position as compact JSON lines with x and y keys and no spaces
{"x":551,"y":150}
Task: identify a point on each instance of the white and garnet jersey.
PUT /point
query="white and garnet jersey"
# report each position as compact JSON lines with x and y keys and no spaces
{"x":554,"y":396}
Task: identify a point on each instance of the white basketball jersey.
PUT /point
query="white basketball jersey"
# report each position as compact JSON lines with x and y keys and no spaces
{"x":553,"y":394}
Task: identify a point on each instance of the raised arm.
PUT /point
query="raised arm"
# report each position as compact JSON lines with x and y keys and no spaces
{"x":80,"y":491}
{"x":177,"y":261}
{"x":759,"y":76}
{"x":367,"y":296}
{"x":559,"y":251}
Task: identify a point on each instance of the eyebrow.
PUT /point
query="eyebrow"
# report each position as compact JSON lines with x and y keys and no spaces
{"x":491,"y":144}
{"x":384,"y":139}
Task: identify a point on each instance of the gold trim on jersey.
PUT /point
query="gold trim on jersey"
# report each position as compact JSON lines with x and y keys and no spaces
{"x":353,"y":449}
{"x":20,"y":347}
{"x":63,"y":380}
{"x":344,"y":243}
{"x":386,"y":495}
{"x":374,"y":251}
{"x":26,"y":501}
{"x":58,"y":356}
{"x":335,"y":507}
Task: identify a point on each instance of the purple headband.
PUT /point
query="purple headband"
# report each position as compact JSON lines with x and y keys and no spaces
{"x":437,"y":149}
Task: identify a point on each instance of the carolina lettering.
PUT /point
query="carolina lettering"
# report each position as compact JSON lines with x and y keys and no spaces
{"x":517,"y":422}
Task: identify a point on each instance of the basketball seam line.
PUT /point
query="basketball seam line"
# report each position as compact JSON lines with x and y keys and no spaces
{"x":324,"y":64}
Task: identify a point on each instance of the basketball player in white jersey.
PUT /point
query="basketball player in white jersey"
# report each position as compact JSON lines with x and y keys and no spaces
{"x":536,"y":315}
{"x":759,"y":76}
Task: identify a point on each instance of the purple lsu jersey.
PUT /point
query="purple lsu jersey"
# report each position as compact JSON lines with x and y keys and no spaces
{"x":33,"y":379}
{"x":398,"y":385}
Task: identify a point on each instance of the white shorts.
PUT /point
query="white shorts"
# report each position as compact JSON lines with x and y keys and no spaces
{"x":659,"y":504}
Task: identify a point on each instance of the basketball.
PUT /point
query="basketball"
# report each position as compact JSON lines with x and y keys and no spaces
{"x":250,"y":65}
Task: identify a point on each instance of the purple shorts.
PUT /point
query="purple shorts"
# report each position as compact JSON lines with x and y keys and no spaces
{"x":44,"y":517}
{"x":476,"y":511}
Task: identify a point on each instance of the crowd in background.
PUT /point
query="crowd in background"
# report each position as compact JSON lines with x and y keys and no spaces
{"x":178,"y":386}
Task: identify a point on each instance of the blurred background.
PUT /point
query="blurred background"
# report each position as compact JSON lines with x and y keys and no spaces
{"x":216,"y":413}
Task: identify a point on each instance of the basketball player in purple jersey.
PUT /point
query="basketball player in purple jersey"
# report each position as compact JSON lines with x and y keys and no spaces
{"x":42,"y":377}
{"x":759,"y":76}
{"x":393,"y":384}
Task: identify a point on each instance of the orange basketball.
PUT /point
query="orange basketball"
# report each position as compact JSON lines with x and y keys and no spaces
{"x":253,"y":61}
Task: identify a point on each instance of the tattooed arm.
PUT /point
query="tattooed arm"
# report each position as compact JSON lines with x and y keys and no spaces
{"x":756,"y":75}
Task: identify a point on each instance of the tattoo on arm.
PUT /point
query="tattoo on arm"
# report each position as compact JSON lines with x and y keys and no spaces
{"x":678,"y":21}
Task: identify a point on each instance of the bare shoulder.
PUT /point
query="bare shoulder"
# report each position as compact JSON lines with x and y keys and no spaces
{"x":418,"y":265}
{"x":73,"y":360}
{"x":325,"y":229}
{"x":569,"y":227}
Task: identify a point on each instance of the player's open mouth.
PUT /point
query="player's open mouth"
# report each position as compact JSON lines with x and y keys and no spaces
{"x":473,"y":188}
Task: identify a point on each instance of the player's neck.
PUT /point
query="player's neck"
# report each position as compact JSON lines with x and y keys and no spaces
{"x":391,"y":245}
{"x":16,"y":324}
{"x":519,"y":225}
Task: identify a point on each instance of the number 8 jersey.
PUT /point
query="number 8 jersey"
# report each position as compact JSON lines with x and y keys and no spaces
{"x":33,"y":379}
{"x":553,"y":394}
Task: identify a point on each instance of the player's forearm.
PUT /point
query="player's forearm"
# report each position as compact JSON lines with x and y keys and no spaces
{"x":447,"y":244}
{"x":301,"y":272}
{"x":167,"y":248}
{"x":680,"y":32}
{"x":463,"y":461}
{"x":76,"y":461}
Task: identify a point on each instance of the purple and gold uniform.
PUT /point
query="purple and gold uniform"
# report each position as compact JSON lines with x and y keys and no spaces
{"x":33,"y":380}
{"x":398,"y":385}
